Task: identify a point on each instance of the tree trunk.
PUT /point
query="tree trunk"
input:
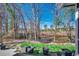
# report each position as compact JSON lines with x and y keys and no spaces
{"x":1,"y":29}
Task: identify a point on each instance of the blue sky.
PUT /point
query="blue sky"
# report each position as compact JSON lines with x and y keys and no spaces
{"x":47,"y":12}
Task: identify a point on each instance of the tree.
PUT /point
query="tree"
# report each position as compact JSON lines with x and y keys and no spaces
{"x":51,"y":28}
{"x":57,"y":20}
{"x":69,"y":12}
{"x":45,"y":27}
{"x":36,"y":21}
{"x":11,"y":13}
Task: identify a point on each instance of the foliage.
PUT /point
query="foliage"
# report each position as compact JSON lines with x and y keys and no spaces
{"x":52,"y":47}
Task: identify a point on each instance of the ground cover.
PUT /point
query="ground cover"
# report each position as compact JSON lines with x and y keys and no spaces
{"x":52,"y":47}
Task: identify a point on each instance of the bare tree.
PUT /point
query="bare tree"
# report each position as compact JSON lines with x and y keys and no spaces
{"x":36,"y":21}
{"x":57,"y":20}
{"x":11,"y":13}
{"x":68,"y":16}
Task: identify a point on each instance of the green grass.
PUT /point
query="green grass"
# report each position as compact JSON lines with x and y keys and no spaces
{"x":52,"y":47}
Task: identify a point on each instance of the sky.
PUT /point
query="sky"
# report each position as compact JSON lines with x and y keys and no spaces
{"x":47,"y":13}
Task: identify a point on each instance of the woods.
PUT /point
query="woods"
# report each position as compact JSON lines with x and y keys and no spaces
{"x":13,"y":23}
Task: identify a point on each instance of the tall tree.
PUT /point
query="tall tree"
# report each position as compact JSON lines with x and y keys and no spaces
{"x":57,"y":20}
{"x":69,"y":14}
{"x":36,"y":26}
{"x":13,"y":14}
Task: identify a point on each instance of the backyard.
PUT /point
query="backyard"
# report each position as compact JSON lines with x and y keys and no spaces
{"x":37,"y":29}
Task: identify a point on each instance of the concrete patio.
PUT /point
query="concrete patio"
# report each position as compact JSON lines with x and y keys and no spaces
{"x":8,"y":52}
